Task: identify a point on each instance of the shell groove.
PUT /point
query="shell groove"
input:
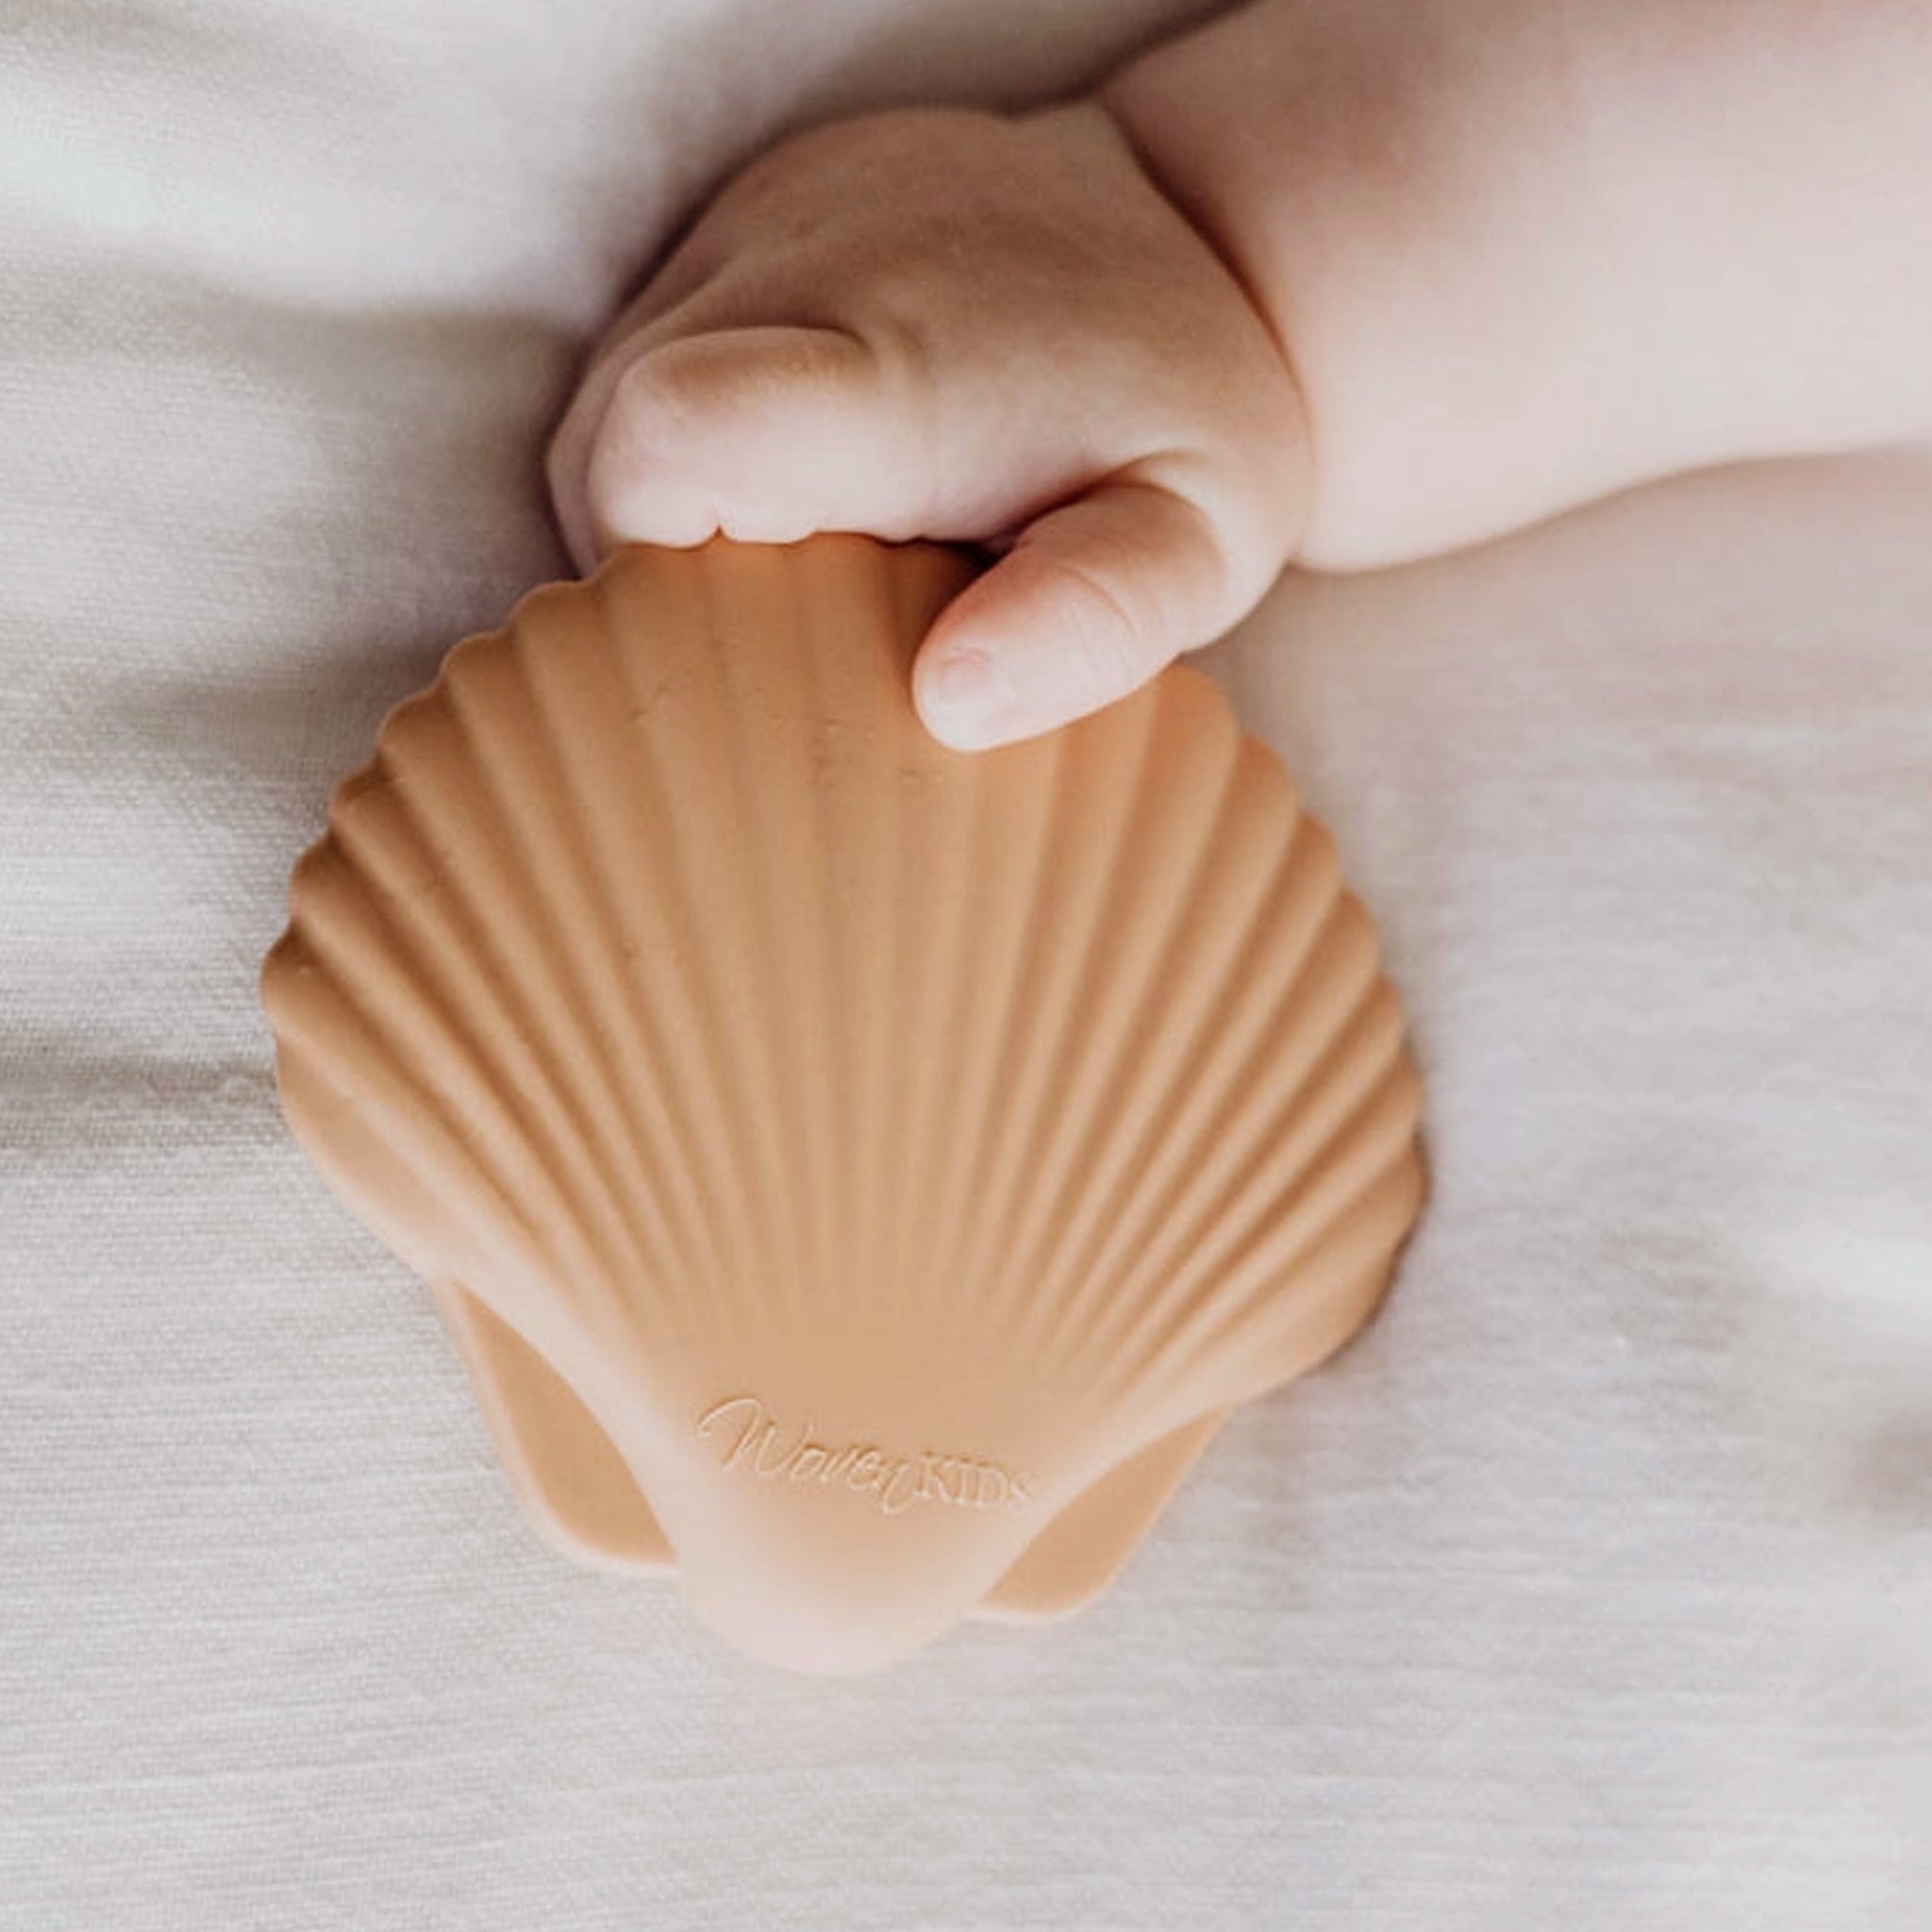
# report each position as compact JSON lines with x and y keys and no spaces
{"x":859,"y":1173}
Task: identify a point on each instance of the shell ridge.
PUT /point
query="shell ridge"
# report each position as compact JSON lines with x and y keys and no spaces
{"x":1228,"y":1087}
{"x":1359,"y":1208}
{"x":770,"y":819}
{"x":915,"y":959}
{"x":704,"y":1102}
{"x":826,"y":1100}
{"x":1260,"y":1128}
{"x":575,"y":865}
{"x":405,"y":1051}
{"x":1283,"y":1191}
{"x":414,"y":1129}
{"x":1097,"y":1118}
{"x":759,"y":1018}
{"x":1080,"y":916}
{"x":872,"y":851}
{"x":1223,"y":999}
{"x":561,"y":1131}
{"x":560,"y":1008}
{"x":743,"y":1245}
{"x":663,"y":1136}
{"x":627,"y":1067}
{"x":630,"y":837}
{"x":997,"y":1022}
{"x":453,"y":974}
{"x":939,"y":1014}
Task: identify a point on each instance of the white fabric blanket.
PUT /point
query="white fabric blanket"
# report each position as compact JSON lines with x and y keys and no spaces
{"x":1591,"y":1589}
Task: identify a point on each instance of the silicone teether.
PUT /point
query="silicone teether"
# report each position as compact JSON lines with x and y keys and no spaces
{"x":860,"y":1176}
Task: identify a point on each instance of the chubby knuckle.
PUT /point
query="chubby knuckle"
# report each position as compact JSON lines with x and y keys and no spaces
{"x":1239,"y":502}
{"x":1277,"y":456}
{"x":1264,"y":434}
{"x":1243,"y":545}
{"x":656,"y":402}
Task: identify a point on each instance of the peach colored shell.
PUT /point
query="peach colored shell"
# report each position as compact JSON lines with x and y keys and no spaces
{"x":860,"y":1176}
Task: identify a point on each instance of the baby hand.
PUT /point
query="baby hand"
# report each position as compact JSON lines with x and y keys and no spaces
{"x":967,"y":326}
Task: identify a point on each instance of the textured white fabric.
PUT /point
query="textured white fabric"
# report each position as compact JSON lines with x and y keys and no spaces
{"x":1591,"y":1589}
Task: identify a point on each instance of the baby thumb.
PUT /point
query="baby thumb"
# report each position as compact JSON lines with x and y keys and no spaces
{"x":1089,"y":603}
{"x":762,"y":434}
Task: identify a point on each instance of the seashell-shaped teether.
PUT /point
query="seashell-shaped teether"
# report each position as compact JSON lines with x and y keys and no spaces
{"x":860,"y":1176}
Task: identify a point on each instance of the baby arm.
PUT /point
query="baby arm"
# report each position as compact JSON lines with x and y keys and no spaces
{"x":1340,"y":284}
{"x":1525,"y":251}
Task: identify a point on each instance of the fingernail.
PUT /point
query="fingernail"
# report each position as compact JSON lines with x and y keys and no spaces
{"x":969,"y":699}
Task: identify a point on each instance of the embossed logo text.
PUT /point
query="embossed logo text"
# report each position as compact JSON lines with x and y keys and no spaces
{"x":750,"y":1439}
